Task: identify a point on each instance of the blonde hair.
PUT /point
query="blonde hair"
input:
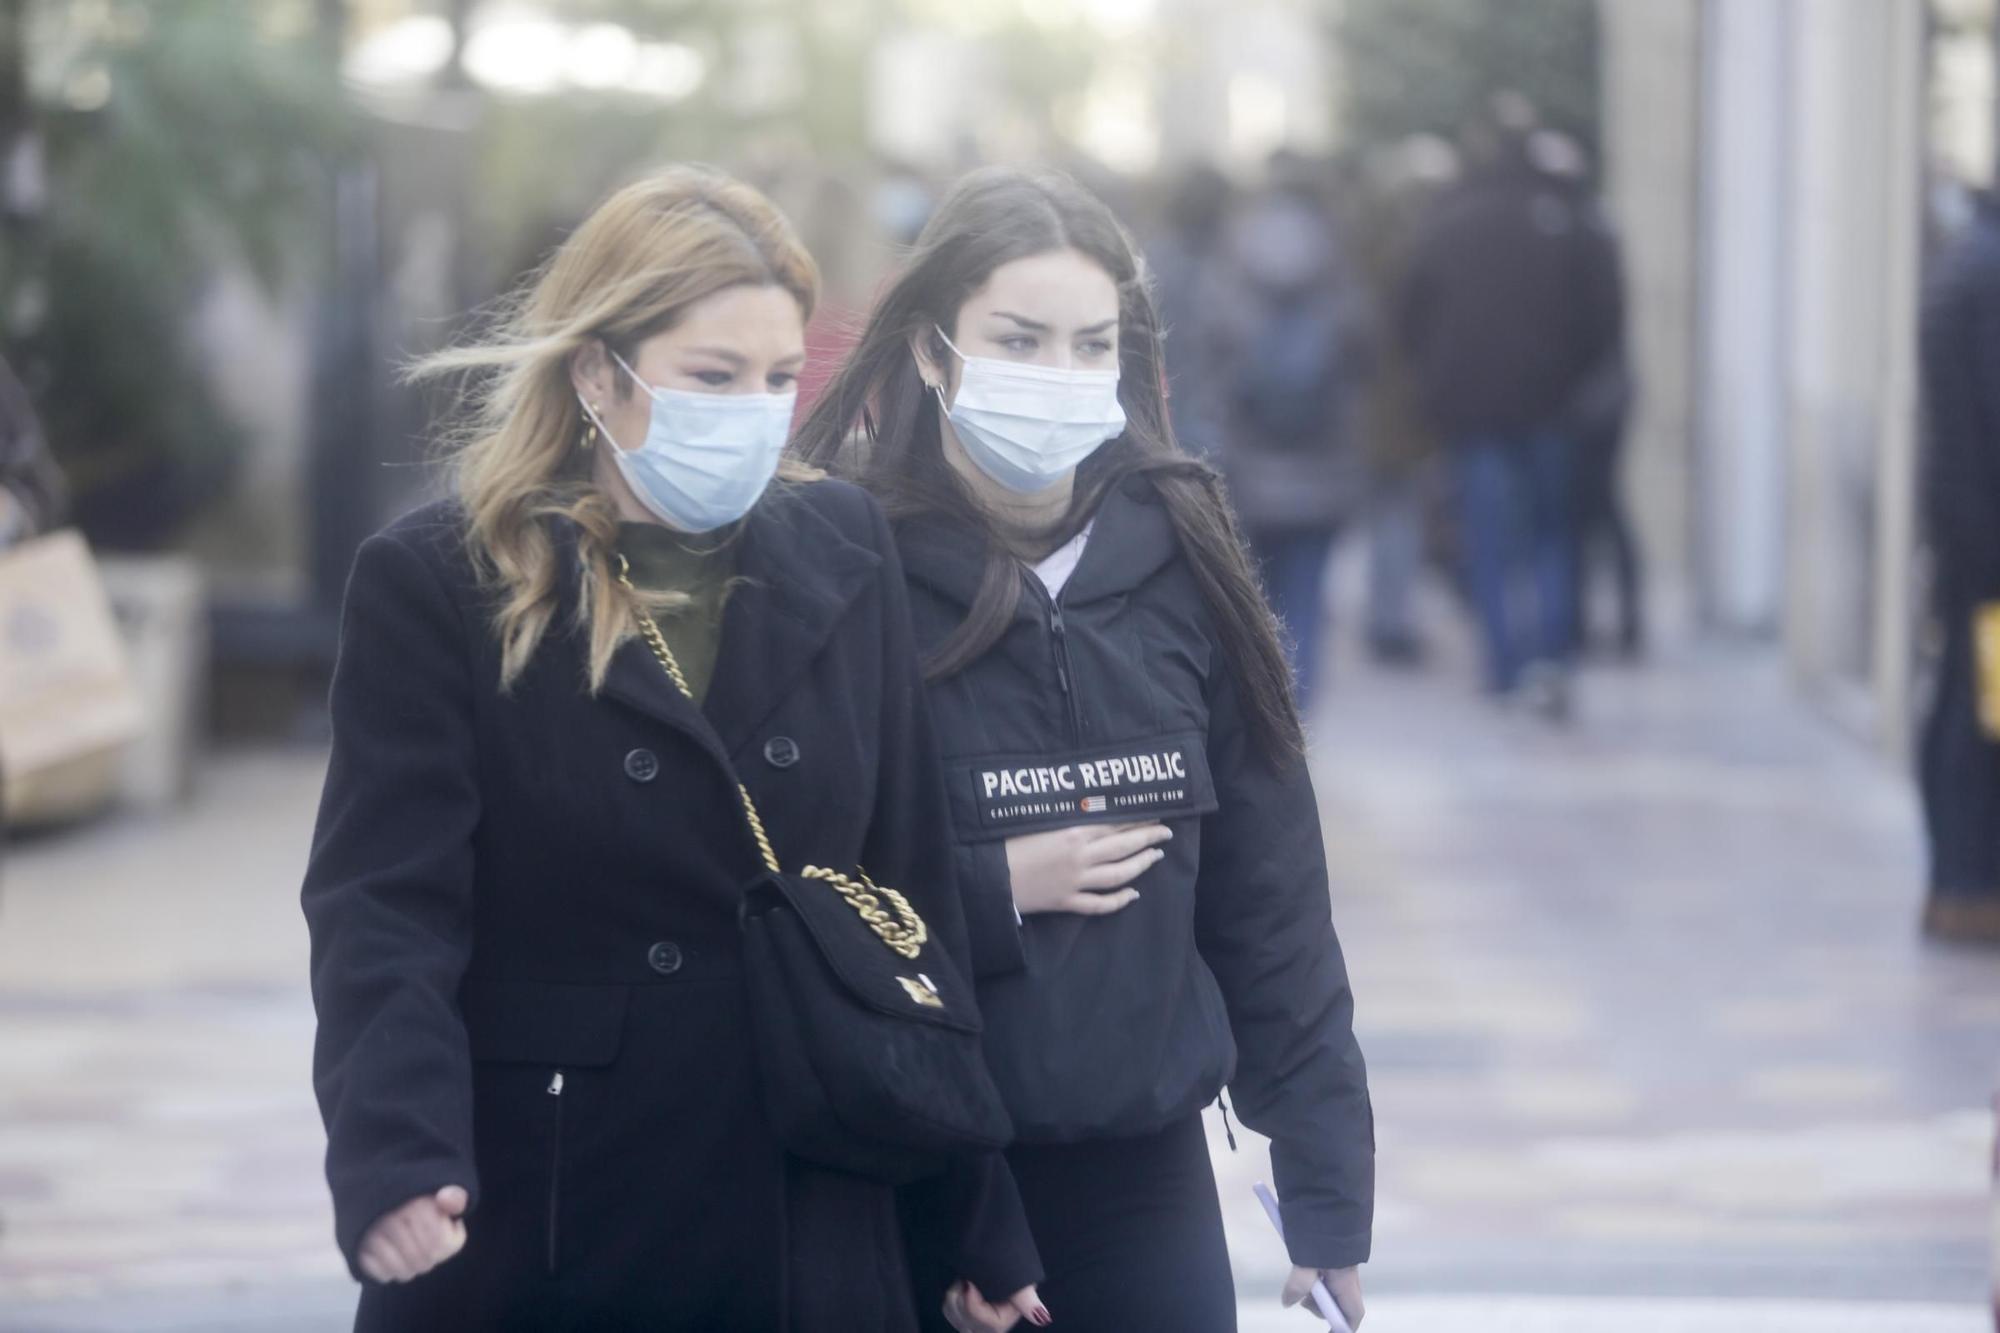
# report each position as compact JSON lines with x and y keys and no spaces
{"x":629,"y":272}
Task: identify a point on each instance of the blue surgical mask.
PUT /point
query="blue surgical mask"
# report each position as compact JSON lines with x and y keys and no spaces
{"x":1028,"y":426}
{"x":707,"y":456}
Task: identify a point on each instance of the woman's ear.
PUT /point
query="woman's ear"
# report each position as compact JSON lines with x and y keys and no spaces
{"x":927,"y":346}
{"x":591,"y":371}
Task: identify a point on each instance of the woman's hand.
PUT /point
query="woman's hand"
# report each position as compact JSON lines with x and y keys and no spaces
{"x":409,"y":1242}
{"x":1343,"y":1283}
{"x":1077,"y":869}
{"x":968,"y":1311}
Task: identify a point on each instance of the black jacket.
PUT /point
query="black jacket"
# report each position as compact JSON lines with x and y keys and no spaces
{"x":1114,"y":702}
{"x":504,"y":886}
{"x":1511,"y":298}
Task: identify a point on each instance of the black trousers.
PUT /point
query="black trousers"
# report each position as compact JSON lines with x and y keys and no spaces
{"x":1604,"y":530}
{"x":1130,"y":1232}
{"x":1959,"y":769}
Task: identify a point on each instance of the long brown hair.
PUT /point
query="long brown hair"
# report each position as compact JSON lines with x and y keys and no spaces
{"x":630,"y":271}
{"x":880,"y":422}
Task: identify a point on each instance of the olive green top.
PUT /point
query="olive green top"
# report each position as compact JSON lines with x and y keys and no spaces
{"x":661,"y":560}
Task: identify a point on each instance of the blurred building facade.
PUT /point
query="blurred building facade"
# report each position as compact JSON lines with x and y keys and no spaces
{"x":1776,"y":165}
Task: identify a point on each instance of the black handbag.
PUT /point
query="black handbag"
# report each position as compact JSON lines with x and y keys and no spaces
{"x":868,"y":1039}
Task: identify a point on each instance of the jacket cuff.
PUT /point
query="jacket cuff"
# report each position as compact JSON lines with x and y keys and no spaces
{"x":1000,"y":1276}
{"x":359,"y":1206}
{"x":990,"y":919}
{"x":995,"y":1251}
{"x":1320,"y":1249}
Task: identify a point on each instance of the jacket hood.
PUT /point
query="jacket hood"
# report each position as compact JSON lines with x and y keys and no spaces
{"x":1132,"y":538}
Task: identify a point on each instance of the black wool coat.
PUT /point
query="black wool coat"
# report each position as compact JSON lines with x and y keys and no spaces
{"x":525,"y":951}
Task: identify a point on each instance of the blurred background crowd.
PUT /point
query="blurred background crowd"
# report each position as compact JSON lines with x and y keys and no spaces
{"x":1398,"y":243}
{"x":1625,"y":371}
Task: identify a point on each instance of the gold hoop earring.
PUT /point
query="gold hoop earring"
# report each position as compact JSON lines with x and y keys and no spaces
{"x":589,"y":436}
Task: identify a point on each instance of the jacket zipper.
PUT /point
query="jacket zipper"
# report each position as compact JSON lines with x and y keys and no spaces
{"x":1059,"y":647}
{"x":555,"y":1090}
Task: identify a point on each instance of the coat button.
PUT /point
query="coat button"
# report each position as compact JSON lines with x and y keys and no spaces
{"x":664,"y":958}
{"x":781,"y":752}
{"x":642,"y":765}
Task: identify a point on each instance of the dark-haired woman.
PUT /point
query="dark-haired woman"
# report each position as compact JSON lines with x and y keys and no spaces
{"x":1138,"y":840}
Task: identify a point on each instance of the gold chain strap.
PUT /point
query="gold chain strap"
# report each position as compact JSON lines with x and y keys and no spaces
{"x":903,"y":932}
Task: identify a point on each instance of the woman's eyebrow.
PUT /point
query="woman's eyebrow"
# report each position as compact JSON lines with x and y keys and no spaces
{"x":721,"y":354}
{"x":1035,"y":325}
{"x":1032,"y":324}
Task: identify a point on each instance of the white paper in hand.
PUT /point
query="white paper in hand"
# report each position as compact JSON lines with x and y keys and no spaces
{"x":1329,"y":1309}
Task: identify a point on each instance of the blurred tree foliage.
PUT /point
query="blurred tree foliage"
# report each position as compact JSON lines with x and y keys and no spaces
{"x":785,"y":83}
{"x":179,"y":138}
{"x":1415,"y":66}
{"x":786,"y":95}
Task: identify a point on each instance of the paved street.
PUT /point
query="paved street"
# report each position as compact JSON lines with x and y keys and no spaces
{"x":1654,"y":1044}
{"x":1647,"y":1014}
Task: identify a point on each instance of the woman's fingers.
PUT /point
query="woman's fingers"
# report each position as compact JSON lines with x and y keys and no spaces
{"x":1027,"y":1303}
{"x":395,"y":1263}
{"x":377,"y":1263}
{"x":440,"y":1237}
{"x":1345,"y":1286}
{"x":415,"y":1238}
{"x":1121,"y":842}
{"x":422,"y":1237}
{"x":983,"y":1315}
{"x":954,"y":1307}
{"x":1101,"y":904}
{"x":407,"y":1240}
{"x":1118,"y":874}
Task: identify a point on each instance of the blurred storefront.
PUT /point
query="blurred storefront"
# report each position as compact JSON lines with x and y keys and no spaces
{"x":1775,"y":163}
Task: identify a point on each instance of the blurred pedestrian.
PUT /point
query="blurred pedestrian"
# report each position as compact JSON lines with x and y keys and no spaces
{"x":1290,"y":345}
{"x":1960,"y":757}
{"x":1397,"y":440}
{"x":1504,"y":313}
{"x":1139,"y":845}
{"x":1183,"y":259}
{"x":556,"y":697}
{"x":1599,"y":412}
{"x":32,"y":493}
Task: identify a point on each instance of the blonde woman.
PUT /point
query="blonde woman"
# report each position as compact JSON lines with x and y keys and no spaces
{"x":534,"y":1057}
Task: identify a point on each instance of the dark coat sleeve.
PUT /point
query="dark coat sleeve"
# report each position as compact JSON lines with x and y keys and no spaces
{"x":1263,"y":925}
{"x":975,"y":1205}
{"x":986,"y":888}
{"x":1961,"y":372}
{"x":388,"y":895}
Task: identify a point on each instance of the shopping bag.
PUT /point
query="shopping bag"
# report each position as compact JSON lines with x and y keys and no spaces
{"x":67,"y":701}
